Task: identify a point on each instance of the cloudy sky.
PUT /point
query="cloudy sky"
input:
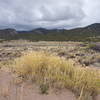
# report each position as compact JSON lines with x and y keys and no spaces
{"x":30,"y":14}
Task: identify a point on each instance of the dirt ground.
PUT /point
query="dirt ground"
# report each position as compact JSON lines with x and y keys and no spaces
{"x":11,"y":90}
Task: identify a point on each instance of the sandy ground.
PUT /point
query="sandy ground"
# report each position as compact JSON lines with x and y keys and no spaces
{"x":98,"y":97}
{"x":10,"y":89}
{"x":27,"y":91}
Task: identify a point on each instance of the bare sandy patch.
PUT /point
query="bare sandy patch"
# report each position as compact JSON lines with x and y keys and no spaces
{"x":27,"y":91}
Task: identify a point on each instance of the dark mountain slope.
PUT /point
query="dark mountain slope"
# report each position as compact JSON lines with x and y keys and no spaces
{"x":89,"y":33}
{"x":8,"y":33}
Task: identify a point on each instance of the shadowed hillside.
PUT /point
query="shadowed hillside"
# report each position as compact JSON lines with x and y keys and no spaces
{"x":89,"y":33}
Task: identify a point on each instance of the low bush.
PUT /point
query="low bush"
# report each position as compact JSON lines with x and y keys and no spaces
{"x":91,"y":46}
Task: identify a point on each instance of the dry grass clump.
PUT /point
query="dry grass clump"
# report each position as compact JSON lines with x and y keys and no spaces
{"x":46,"y":68}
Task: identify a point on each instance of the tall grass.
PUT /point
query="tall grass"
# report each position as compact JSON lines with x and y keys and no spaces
{"x":45,"y":68}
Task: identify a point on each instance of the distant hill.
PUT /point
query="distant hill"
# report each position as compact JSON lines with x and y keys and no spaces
{"x":95,"y":26}
{"x":88,"y":33}
{"x":8,"y":33}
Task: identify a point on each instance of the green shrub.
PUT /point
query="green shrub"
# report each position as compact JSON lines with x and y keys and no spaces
{"x":44,"y":88}
{"x":91,"y":46}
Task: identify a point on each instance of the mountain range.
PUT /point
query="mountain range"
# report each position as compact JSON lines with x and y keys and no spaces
{"x":88,"y":33}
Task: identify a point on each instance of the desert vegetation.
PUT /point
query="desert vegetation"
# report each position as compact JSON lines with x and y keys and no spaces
{"x":51,"y":70}
{"x":55,"y":65}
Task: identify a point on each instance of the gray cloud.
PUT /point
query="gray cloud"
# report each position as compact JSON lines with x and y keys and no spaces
{"x":29,"y":14}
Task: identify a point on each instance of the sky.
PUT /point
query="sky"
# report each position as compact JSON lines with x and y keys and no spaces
{"x":63,"y":14}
